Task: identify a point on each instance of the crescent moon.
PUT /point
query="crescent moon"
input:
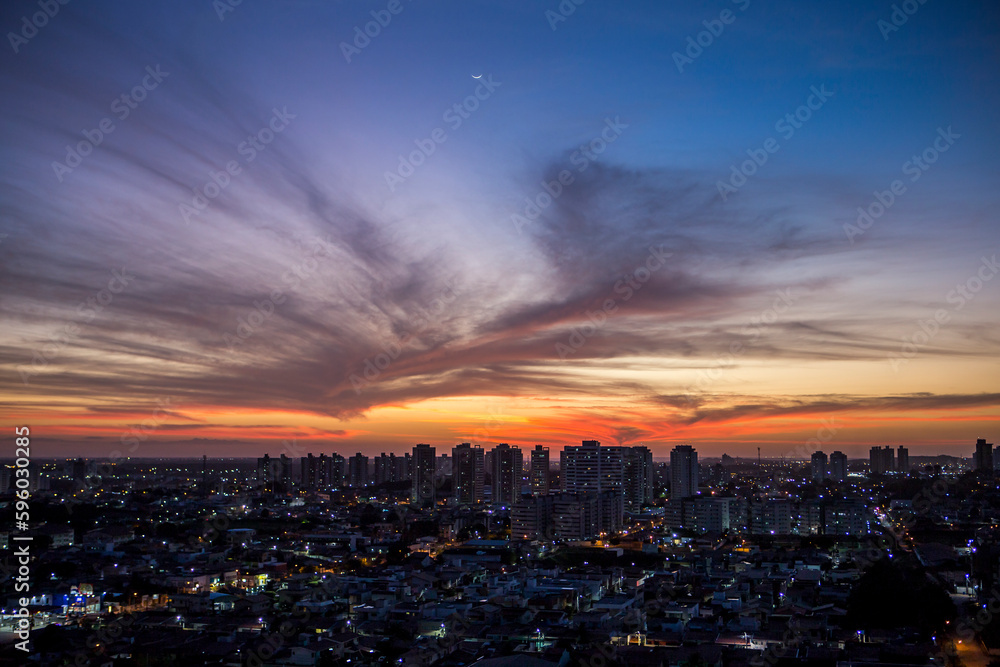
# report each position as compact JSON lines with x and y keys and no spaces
{"x":477,"y":77}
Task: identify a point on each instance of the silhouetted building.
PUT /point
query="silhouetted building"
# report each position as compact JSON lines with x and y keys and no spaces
{"x":540,"y":470}
{"x":309,"y":472}
{"x":902,"y":460}
{"x":338,"y":471}
{"x":382,"y":468}
{"x":683,"y":471}
{"x":443,"y":466}
{"x":845,"y":516}
{"x":424,"y":465}
{"x":881,"y":460}
{"x":357,"y":471}
{"x":838,"y":466}
{"x":583,"y":516}
{"x":638,"y":477}
{"x":531,"y":518}
{"x":265,"y":473}
{"x":714,"y":515}
{"x":391,"y":468}
{"x":507,"y":473}
{"x":468,"y":473}
{"x":591,"y":467}
{"x":983,"y":458}
{"x":79,"y":470}
{"x":284,"y":481}
{"x":818,"y":466}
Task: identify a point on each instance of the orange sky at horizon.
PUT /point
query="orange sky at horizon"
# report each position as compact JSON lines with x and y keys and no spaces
{"x":174,"y":429}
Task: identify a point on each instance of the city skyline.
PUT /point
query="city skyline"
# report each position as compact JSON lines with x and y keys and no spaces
{"x":477,"y":333}
{"x":295,"y":452}
{"x":225,"y":229}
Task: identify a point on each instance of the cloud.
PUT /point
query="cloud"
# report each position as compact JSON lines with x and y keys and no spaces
{"x":290,"y":285}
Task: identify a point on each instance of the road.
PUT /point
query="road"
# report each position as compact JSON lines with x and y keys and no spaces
{"x":971,"y":653}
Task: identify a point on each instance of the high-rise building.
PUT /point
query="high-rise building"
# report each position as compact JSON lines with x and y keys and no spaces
{"x":79,"y":470}
{"x":983,"y":458}
{"x":819,"y":466}
{"x":468,"y":473}
{"x":443,"y":466}
{"x":575,"y":516}
{"x":591,"y":467}
{"x":424,"y":464}
{"x":715,"y":515}
{"x":845,"y":516}
{"x":507,"y":473}
{"x":583,"y":516}
{"x":903,"y":460}
{"x":531,"y":518}
{"x":382,"y":469}
{"x":266,"y":472}
{"x":838,"y":466}
{"x":357,"y":471}
{"x":338,"y":471}
{"x":882,"y":460}
{"x":772,"y":516}
{"x":683,"y":471}
{"x":638,"y":476}
{"x":285,"y":476}
{"x":490,"y":464}
{"x":310,"y":472}
{"x":323,"y":471}
{"x":403,"y":468}
{"x":391,"y":468}
{"x":809,"y":520}
{"x":539,"y":470}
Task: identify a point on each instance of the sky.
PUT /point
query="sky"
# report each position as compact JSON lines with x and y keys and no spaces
{"x":235,"y":228}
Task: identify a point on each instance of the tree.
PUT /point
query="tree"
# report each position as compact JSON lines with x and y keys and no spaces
{"x":893,"y":595}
